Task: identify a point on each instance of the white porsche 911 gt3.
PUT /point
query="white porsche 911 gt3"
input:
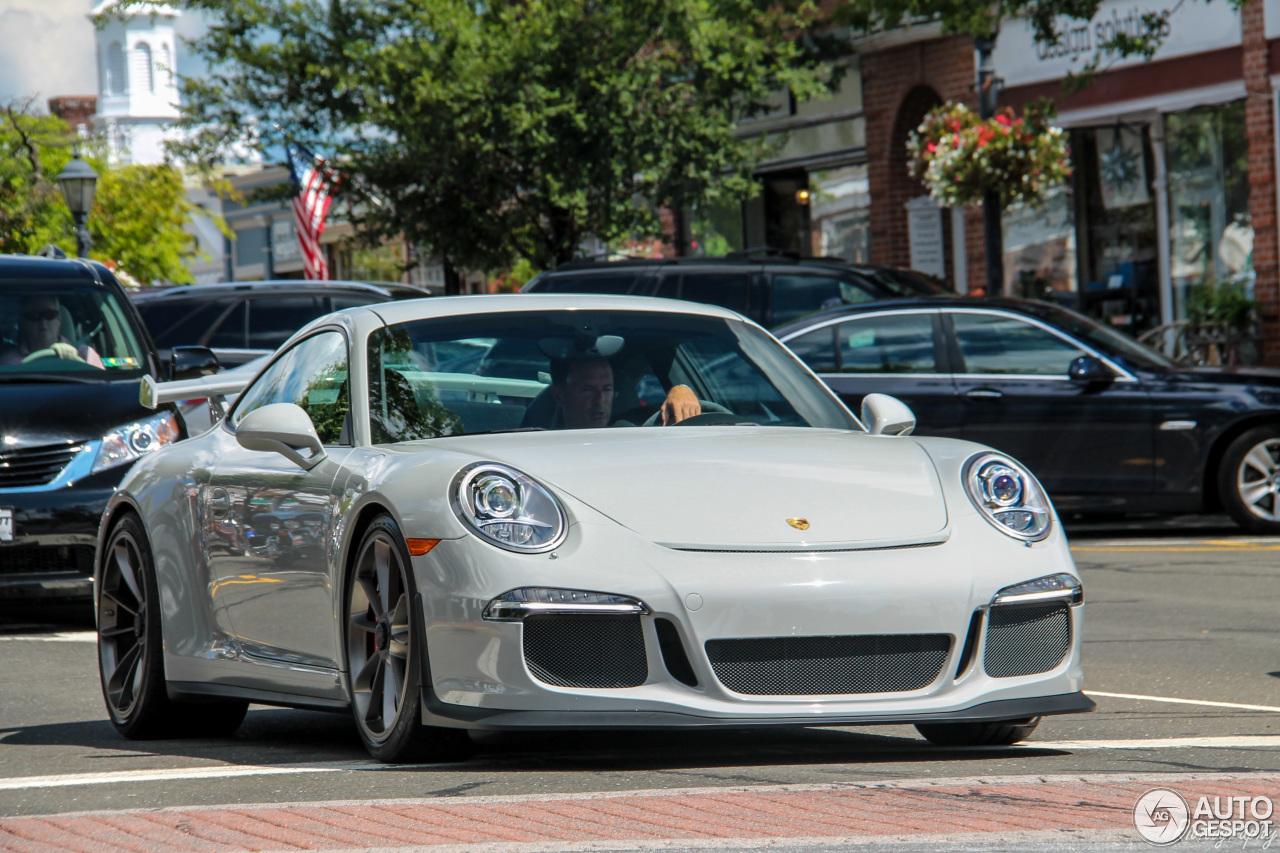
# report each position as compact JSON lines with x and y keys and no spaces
{"x":467,"y":513}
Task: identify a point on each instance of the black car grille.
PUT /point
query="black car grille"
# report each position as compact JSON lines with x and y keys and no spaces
{"x":35,"y":466}
{"x":586,"y":651}
{"x":46,"y":559}
{"x":1026,"y":640}
{"x":824,"y":666}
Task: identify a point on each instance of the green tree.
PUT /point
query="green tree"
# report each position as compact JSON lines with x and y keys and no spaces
{"x":138,"y":211}
{"x":488,"y":132}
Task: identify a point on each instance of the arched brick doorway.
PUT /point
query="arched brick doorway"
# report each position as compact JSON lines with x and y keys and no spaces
{"x":900,"y":187}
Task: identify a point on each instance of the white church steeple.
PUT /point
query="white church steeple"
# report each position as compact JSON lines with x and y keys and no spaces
{"x":137,"y":84}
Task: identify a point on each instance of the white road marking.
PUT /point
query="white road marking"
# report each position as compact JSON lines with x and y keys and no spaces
{"x":1272,"y":708}
{"x":61,"y":637}
{"x":22,"y":783}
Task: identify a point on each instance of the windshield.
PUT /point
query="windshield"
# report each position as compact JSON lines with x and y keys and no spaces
{"x":1116,"y":344}
{"x":66,"y":331}
{"x":571,"y":369}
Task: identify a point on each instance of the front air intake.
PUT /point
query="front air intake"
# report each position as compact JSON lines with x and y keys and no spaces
{"x":1026,"y":640}
{"x":586,"y":651}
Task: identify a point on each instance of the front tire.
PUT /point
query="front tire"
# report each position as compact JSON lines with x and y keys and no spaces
{"x":1249,"y":480}
{"x":130,"y":659}
{"x":383,"y":648}
{"x":1001,"y":733}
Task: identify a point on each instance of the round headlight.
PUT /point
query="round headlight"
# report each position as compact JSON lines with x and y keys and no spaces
{"x":508,"y":508}
{"x":1008,"y":496}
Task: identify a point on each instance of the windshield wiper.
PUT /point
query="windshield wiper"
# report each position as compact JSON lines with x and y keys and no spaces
{"x":511,"y":429}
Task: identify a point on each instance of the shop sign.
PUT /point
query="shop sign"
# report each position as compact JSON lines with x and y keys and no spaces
{"x":1186,"y":28}
{"x":924,"y":231}
{"x":284,"y":242}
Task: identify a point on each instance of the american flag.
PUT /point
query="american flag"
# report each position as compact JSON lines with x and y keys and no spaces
{"x":311,"y":179}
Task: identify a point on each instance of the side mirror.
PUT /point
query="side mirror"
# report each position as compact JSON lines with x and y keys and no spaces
{"x":192,"y":363}
{"x":1088,"y":368}
{"x":285,"y":429}
{"x":885,"y":415}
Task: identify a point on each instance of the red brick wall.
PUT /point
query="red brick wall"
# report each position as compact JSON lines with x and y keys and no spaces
{"x":894,"y":83}
{"x":1259,"y":128}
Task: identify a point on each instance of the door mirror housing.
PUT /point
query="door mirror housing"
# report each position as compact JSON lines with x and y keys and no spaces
{"x":192,"y":363}
{"x":1089,"y":368}
{"x":282,"y":428}
{"x":885,"y":415}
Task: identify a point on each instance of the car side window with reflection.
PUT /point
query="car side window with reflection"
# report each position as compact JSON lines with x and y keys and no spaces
{"x":796,"y":296}
{"x":816,"y":349}
{"x":894,"y":343}
{"x":313,"y":375}
{"x":1005,"y":345}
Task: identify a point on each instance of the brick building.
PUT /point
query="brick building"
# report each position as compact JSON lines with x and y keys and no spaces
{"x":1174,"y":165}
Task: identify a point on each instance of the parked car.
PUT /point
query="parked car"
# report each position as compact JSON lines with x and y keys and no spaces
{"x":771,"y":288}
{"x":458,"y":561}
{"x":241,"y":321}
{"x":73,"y":352}
{"x":1107,"y":424}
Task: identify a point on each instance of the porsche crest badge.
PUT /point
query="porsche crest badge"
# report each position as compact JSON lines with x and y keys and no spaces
{"x":799,"y":523}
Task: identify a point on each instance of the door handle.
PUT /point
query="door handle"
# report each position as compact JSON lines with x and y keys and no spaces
{"x":219,"y":500}
{"x":984,"y":394}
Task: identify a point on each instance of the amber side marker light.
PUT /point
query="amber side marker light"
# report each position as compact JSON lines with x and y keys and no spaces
{"x":418,"y":547}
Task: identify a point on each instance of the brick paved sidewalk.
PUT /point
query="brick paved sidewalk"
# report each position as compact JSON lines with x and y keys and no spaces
{"x":925,"y":809}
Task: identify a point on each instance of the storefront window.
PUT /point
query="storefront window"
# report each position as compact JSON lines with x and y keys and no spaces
{"x":1209,"y":232}
{"x":1040,"y":249}
{"x":840,"y":213}
{"x":1115,"y":206}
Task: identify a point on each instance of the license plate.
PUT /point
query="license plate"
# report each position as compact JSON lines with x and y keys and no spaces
{"x":6,"y":525}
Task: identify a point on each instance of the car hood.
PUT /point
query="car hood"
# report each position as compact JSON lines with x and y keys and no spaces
{"x":735,"y":488}
{"x":37,"y":413}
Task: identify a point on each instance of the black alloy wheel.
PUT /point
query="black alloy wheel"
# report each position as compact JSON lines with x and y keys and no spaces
{"x":1249,"y":480}
{"x":383,"y":646}
{"x":130,"y":659}
{"x":1001,"y":733}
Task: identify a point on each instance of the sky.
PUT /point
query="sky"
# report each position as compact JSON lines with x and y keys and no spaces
{"x":47,"y":49}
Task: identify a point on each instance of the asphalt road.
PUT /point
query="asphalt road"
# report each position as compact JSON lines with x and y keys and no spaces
{"x":1181,"y":609}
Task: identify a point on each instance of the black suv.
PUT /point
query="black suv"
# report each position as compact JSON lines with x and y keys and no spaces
{"x":769,"y":287}
{"x":73,"y":352}
{"x":241,"y":321}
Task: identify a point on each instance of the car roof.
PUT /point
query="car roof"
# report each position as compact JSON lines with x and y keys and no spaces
{"x":1042,"y":310}
{"x":453,"y":306}
{"x":40,"y":268}
{"x":387,"y":289}
{"x":740,"y":258}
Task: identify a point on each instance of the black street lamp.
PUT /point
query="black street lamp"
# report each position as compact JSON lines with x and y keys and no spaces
{"x":988,"y":99}
{"x":78,"y":181}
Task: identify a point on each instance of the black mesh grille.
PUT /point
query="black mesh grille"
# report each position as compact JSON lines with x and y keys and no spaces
{"x":817,"y":666}
{"x":33,"y":559}
{"x":586,"y":651}
{"x":34,"y":466}
{"x":1026,"y":640}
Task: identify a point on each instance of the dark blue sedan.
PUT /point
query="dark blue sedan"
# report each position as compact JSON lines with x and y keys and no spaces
{"x":1107,"y":424}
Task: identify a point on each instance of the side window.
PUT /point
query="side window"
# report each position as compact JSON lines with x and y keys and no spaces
{"x":313,"y":375}
{"x":181,"y":322}
{"x":816,"y":349}
{"x":728,"y":290}
{"x":994,"y":344}
{"x":893,"y":343}
{"x":272,"y":319}
{"x":796,"y":296}
{"x":230,"y":332}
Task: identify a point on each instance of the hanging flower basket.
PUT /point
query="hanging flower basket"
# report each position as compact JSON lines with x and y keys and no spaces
{"x":959,"y":156}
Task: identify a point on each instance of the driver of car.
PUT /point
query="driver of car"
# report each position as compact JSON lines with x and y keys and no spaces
{"x":40,"y":325}
{"x":583,"y":389}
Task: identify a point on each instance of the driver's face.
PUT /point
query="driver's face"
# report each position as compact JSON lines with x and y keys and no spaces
{"x":587,"y":395}
{"x":41,"y":323}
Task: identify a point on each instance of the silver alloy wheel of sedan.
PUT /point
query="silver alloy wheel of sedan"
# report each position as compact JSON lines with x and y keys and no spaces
{"x":1258,"y":479}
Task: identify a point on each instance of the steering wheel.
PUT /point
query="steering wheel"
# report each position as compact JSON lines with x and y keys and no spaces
{"x":48,"y":352}
{"x":708,"y":407}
